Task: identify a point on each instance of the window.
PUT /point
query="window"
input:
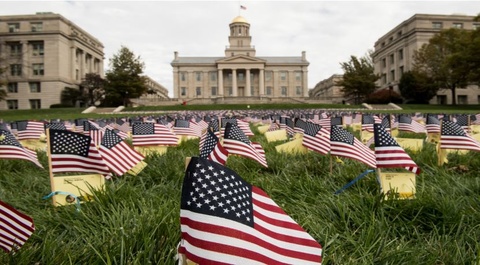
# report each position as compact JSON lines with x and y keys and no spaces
{"x":284,"y":90}
{"x":268,"y":75}
{"x":36,"y":26}
{"x":437,"y":25}
{"x":462,"y":99}
{"x":13,"y":27}
{"x":384,"y":78}
{"x":392,"y":75}
{"x":298,"y":90}
{"x":401,"y":71}
{"x":37,"y":48}
{"x":37,"y":69}
{"x":183,"y":91}
{"x":441,"y":99}
{"x":77,"y":74}
{"x":35,"y":104}
{"x":399,"y":33}
{"x":230,"y":91}
{"x":241,"y":77}
{"x":182,"y":76}
{"x":392,"y":58}
{"x":213,"y":76}
{"x":476,"y":26}
{"x":383,"y":44}
{"x":15,"y":69}
{"x":214,"y":90}
{"x":252,"y":76}
{"x":457,"y":25}
{"x":283,"y":75}
{"x":384,"y":62}
{"x":400,"y":54}
{"x":229,"y":77}
{"x":390,"y":39}
{"x":269,"y":90}
{"x":15,"y":49}
{"x":198,"y":91}
{"x":198,"y":76}
{"x":298,"y":76}
{"x":12,"y":87}
{"x":34,"y":87}
{"x":12,"y":104}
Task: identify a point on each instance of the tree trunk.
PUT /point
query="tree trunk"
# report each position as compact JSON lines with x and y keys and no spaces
{"x":454,"y":94}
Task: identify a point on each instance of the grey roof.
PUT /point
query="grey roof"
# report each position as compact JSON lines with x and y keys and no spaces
{"x":212,"y":60}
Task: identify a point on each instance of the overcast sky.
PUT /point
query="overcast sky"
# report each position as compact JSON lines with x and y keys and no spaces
{"x":329,"y":31}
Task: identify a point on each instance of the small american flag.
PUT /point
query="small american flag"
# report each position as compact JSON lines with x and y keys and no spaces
{"x":55,"y":126}
{"x":367,"y":122}
{"x":389,"y":154}
{"x":290,"y":126}
{"x":93,"y":131}
{"x":386,"y":122}
{"x":454,"y":137}
{"x":148,"y":134}
{"x":300,"y":125}
{"x":29,"y":130}
{"x":225,"y":220}
{"x":316,"y":138}
{"x":182,"y":127}
{"x":433,"y":124}
{"x":464,"y":122}
{"x":406,"y":123}
{"x":15,"y":228}
{"x":118,"y":155}
{"x":213,"y":150}
{"x":10,"y":148}
{"x":344,"y":144}
{"x":74,"y":152}
{"x":236,"y":142}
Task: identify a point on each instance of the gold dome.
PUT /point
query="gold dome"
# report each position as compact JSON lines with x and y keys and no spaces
{"x":239,"y":19}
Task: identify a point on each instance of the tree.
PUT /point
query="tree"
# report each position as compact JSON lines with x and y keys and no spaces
{"x":358,"y":78}
{"x":444,"y":59}
{"x":70,"y":96}
{"x":124,"y":79}
{"x":93,"y":88}
{"x":417,"y":87}
{"x":473,"y":55}
{"x":3,"y":92}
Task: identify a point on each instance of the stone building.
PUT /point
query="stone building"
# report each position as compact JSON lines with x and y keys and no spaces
{"x":393,"y":54}
{"x":240,"y":75}
{"x":42,"y":54}
{"x":328,"y":90}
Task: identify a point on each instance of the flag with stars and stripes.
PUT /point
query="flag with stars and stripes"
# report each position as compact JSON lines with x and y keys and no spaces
{"x":183,"y":127}
{"x":433,"y":124}
{"x":406,"y":123}
{"x":29,"y":130}
{"x":10,"y":148}
{"x":464,"y":122}
{"x":212,"y":149}
{"x":150,"y":134}
{"x":15,"y":228}
{"x":389,"y":154}
{"x":226,"y":220}
{"x":316,"y":138}
{"x":74,"y":152}
{"x":237,"y":143}
{"x":453,"y":136}
{"x":344,"y":144}
{"x":367,"y":122}
{"x":118,"y":155}
{"x":55,"y":125}
{"x":92,"y":130}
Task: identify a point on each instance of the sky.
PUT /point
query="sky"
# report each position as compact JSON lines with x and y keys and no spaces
{"x":330,"y":32}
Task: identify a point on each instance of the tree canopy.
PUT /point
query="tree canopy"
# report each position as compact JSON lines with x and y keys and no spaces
{"x":417,"y":87}
{"x":124,"y":79}
{"x":358,"y":78}
{"x":92,"y":86}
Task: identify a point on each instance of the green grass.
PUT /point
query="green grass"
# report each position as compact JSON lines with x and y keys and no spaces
{"x":136,"y":219}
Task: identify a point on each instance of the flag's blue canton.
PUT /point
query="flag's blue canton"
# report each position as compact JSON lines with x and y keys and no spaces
{"x":233,"y":132}
{"x":182,"y":124}
{"x":473,"y":117}
{"x":450,"y":128}
{"x":225,"y":121}
{"x":462,"y":120}
{"x":283,"y":120}
{"x":110,"y":139}
{"x":87,"y":126}
{"x":367,"y":119}
{"x":7,"y":138}
{"x":312,"y":129}
{"x":431,"y":119}
{"x":213,"y":125}
{"x":404,"y":119}
{"x":336,"y":121}
{"x":383,"y":138}
{"x":79,"y":122}
{"x":22,"y":125}
{"x":143,"y":128}
{"x":212,"y":189}
{"x":386,"y":121}
{"x":340,"y":135}
{"x":289,"y":123}
{"x":209,"y":144}
{"x":55,"y":126}
{"x":300,"y":124}
{"x":66,"y":142}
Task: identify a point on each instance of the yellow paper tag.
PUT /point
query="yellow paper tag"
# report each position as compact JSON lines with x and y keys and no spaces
{"x":402,"y":184}
{"x":78,"y":185}
{"x":278,"y":135}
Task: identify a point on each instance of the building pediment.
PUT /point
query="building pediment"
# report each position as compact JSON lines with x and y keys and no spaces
{"x":240,"y":59}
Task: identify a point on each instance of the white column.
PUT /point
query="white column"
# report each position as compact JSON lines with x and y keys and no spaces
{"x":305,"y":83}
{"x":220,"y":83}
{"x":261,"y":85}
{"x":234,"y":82}
{"x":247,"y":89}
{"x":176,"y":87}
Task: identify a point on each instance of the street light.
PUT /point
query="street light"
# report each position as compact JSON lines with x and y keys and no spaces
{"x":125,"y":99}
{"x":390,"y":89}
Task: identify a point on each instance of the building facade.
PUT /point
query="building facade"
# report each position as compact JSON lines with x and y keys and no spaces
{"x":328,"y":90}
{"x":240,"y":74}
{"x":154,"y":90}
{"x":42,"y":54}
{"x":393,"y":53}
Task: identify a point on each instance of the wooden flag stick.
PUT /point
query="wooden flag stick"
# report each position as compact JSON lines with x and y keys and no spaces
{"x":49,"y":155}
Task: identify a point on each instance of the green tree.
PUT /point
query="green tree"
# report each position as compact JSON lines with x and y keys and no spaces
{"x":92,"y":87}
{"x":70,"y":96}
{"x":3,"y":92}
{"x":473,"y":55}
{"x":124,"y":78}
{"x":358,"y":78}
{"x":417,"y":87}
{"x":444,"y":59}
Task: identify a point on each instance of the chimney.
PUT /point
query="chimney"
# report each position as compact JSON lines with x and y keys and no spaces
{"x":304,"y":57}
{"x":175,"y":55}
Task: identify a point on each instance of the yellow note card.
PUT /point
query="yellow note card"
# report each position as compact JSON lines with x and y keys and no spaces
{"x":135,"y":170}
{"x":414,"y":145}
{"x":263,"y":129}
{"x":151,"y":150}
{"x":402,"y":184}
{"x":78,"y":185}
{"x":433,"y":137}
{"x":293,"y":147}
{"x":277,"y":135}
{"x":365,"y":136}
{"x":36,"y":145}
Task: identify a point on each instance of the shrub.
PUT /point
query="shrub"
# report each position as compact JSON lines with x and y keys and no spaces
{"x":61,"y":105}
{"x":384,"y":96}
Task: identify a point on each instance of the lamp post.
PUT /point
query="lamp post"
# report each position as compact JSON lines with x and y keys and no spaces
{"x":390,"y":89}
{"x":125,"y":99}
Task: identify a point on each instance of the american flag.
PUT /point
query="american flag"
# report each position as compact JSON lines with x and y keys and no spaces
{"x":55,"y":126}
{"x":74,"y":152}
{"x":223,"y":124}
{"x":367,"y":122}
{"x":10,"y":148}
{"x":337,"y":121}
{"x":386,"y":122}
{"x":79,"y":126}
{"x":290,"y":126}
{"x":183,"y":127}
{"x":118,"y":155}
{"x":147,"y":134}
{"x":316,"y":138}
{"x":300,"y":125}
{"x":29,"y":130}
{"x":433,"y":124}
{"x":454,"y":137}
{"x":344,"y":144}
{"x":245,"y":127}
{"x":213,"y":150}
{"x":237,"y":143}
{"x":225,"y":220}
{"x":93,"y":131}
{"x":464,"y":122}
{"x":15,"y":228}
{"x":406,"y":123}
{"x":389,"y":154}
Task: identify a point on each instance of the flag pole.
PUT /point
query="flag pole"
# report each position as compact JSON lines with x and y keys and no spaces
{"x":440,"y":152}
{"x":49,"y":156}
